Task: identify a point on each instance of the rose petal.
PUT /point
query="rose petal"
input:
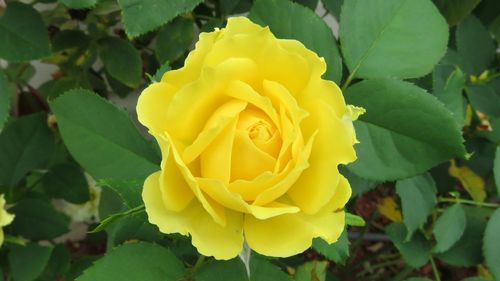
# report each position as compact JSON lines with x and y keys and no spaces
{"x":193,"y":105}
{"x":210,"y":238}
{"x":248,"y":161}
{"x":291,"y":234}
{"x":213,"y":208}
{"x":175,"y":192}
{"x":152,"y":106}
{"x":316,"y":185}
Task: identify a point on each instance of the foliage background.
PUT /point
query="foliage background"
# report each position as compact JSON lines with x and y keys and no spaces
{"x":427,"y":181}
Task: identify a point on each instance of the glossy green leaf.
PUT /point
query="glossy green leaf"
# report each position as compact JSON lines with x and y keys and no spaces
{"x":301,"y":21}
{"x":475,"y":279}
{"x":311,"y":271}
{"x":475,"y":46}
{"x":485,"y":99}
{"x":58,"y":264}
{"x":263,"y":270}
{"x":129,"y":190}
{"x":136,"y":261}
{"x":28,"y":262}
{"x":141,"y":16}
{"x":416,"y":251}
{"x":159,"y":73}
{"x":79,"y":4}
{"x":398,"y":38}
{"x":25,"y":144}
{"x":37,"y":219}
{"x":102,"y":138}
{"x":496,"y":169}
{"x":68,"y":182}
{"x":418,"y":198}
{"x":5,"y":96}
{"x":132,"y":227}
{"x":449,"y":228}
{"x":467,"y":251}
{"x":448,"y":88}
{"x":337,"y":251}
{"x":174,"y":39}
{"x":311,"y":4}
{"x":334,"y":7}
{"x":358,"y":185}
{"x":403,"y":133}
{"x":455,"y":10}
{"x":121,"y":60}
{"x":23,"y":40}
{"x":491,"y":246}
{"x":354,"y":220}
{"x":232,"y":270}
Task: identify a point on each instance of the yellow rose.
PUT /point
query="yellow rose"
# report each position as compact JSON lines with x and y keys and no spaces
{"x":5,"y":218}
{"x":251,"y":138}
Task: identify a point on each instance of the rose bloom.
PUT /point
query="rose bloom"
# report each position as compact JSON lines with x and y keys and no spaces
{"x":251,"y":137}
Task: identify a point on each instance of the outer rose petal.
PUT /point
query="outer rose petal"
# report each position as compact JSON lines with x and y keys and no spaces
{"x":291,"y":234}
{"x":208,"y":237}
{"x":152,"y":104}
{"x":268,"y":237}
{"x":314,"y":188}
{"x":176,"y":193}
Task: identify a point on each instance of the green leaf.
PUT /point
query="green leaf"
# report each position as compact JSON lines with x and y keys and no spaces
{"x":416,"y":193}
{"x":142,"y":16}
{"x":28,"y":262}
{"x":354,"y":220}
{"x":174,"y":39}
{"x":475,"y":46}
{"x":23,"y":40}
{"x":37,"y":219}
{"x":334,"y":7}
{"x":416,"y":251}
{"x":58,"y":264}
{"x":485,"y":99}
{"x":398,"y":38}
{"x":456,"y":10}
{"x":448,"y":87}
{"x":5,"y":96}
{"x":68,"y":182}
{"x":403,"y":133}
{"x":121,"y":60}
{"x":136,"y":262}
{"x":263,"y":270}
{"x":102,"y":138}
{"x":449,"y":228}
{"x":311,"y":4}
{"x":129,"y":190}
{"x":299,"y":24}
{"x":336,"y":252}
{"x":496,"y":169}
{"x":25,"y":144}
{"x":79,"y":4}
{"x":228,"y":6}
{"x":232,"y":270}
{"x":491,"y":245}
{"x":159,"y":73}
{"x":417,"y":279}
{"x":311,"y":271}
{"x":467,"y":250}
{"x":132,"y":227}
{"x":358,"y":185}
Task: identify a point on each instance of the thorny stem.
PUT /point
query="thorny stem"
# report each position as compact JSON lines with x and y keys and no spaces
{"x":434,"y":269}
{"x":468,"y":202}
{"x":199,"y":262}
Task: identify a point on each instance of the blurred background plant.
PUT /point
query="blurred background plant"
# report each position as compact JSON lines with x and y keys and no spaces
{"x":72,"y":163}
